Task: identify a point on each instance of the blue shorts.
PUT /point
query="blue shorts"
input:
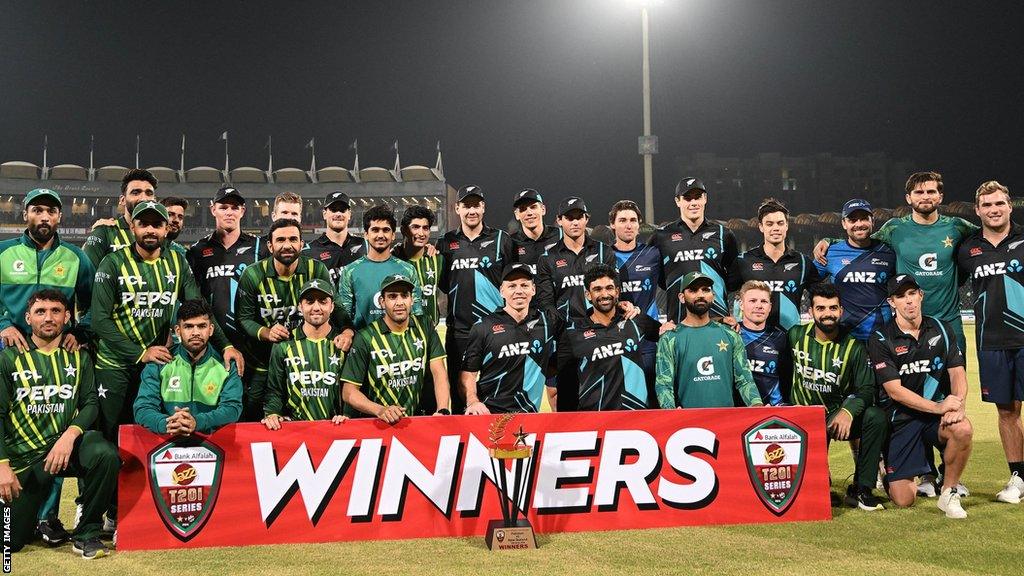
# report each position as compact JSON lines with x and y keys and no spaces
{"x":1001,"y":373}
{"x":910,"y":446}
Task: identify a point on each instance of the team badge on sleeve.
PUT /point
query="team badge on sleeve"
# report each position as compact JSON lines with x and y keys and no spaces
{"x":776,"y":451}
{"x":185,"y":481}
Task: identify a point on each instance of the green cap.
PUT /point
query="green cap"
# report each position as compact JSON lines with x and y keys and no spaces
{"x":695,"y":277}
{"x":393,"y":279}
{"x":316,"y":285}
{"x":34,"y":195}
{"x":150,"y":206}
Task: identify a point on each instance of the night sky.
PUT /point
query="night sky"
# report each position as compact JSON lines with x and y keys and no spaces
{"x":520,"y":93}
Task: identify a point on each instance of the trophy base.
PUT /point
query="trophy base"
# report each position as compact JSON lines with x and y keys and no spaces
{"x":517,"y":537}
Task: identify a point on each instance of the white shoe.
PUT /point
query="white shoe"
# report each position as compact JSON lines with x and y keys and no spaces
{"x":1013,"y":491}
{"x":949,"y":502}
{"x":926,"y":487}
{"x":964,"y":492}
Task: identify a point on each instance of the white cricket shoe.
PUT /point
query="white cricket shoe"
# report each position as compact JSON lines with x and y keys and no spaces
{"x":949,"y":502}
{"x":1013,"y":491}
{"x":927,"y":487}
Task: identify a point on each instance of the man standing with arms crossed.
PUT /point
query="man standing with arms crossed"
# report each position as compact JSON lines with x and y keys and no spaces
{"x":920,"y":369}
{"x":993,"y":258}
{"x":533,"y":237}
{"x":336,"y":248}
{"x":692,"y":244}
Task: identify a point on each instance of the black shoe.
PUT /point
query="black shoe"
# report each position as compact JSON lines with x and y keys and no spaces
{"x":866,"y":500}
{"x":90,"y":549}
{"x":52,"y":532}
{"x":851,"y":496}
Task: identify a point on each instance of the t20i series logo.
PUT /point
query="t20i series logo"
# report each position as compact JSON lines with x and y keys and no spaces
{"x":776,"y":451}
{"x":185,"y":480}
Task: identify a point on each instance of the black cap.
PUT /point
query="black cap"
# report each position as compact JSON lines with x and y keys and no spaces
{"x":900,"y":282}
{"x":855,"y":205}
{"x":337,"y":197}
{"x":572,"y":203}
{"x":527,"y":196}
{"x":689,"y":183}
{"x":228,"y":192}
{"x":518,"y":268}
{"x":470,"y":190}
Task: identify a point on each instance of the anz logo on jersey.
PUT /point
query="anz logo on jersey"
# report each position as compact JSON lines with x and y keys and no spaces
{"x":607,"y":351}
{"x":788,"y":286}
{"x":997,"y":268}
{"x":471,"y":263}
{"x":690,"y":255}
{"x":864,"y":277}
{"x":762,"y":367}
{"x":637,"y":285}
{"x":514,"y":349}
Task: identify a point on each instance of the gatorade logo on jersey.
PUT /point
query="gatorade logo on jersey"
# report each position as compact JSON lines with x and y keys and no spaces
{"x":706,"y":368}
{"x":929,"y":264}
{"x":775,"y":451}
{"x":174,"y":383}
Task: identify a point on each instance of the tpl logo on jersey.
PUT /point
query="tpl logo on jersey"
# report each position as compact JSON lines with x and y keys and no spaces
{"x":514,"y":349}
{"x":131,"y":281}
{"x":607,"y":351}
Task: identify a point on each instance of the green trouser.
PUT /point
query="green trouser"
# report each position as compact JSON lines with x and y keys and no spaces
{"x":120,"y":387}
{"x":254,"y":393}
{"x":95,"y":461}
{"x":51,"y":506}
{"x":870,"y":426}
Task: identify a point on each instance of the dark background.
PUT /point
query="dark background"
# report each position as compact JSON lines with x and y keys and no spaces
{"x":540,"y":93}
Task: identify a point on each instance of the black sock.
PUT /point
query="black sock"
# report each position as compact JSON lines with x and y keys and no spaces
{"x":1016,"y":468}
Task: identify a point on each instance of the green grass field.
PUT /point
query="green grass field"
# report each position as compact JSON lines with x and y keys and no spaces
{"x":905,"y":542}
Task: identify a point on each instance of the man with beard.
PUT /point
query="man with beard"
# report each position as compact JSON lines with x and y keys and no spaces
{"x":176,"y":207}
{"x":303,"y":381}
{"x":766,"y":345}
{"x":40,"y":260}
{"x":702,"y":363}
{"x":193,"y":392}
{"x":266,"y":305}
{"x":604,"y":348}
{"x":218,"y":260}
{"x":360,"y":280}
{"x":136,"y":186}
{"x":533,"y":238}
{"x":830,"y":369}
{"x":693,"y":244}
{"x":920,"y":369}
{"x":860,"y":267}
{"x":416,"y":250}
{"x":474,"y":255}
{"x":387,"y":367}
{"x":992,"y":258}
{"x":336,"y":248}
{"x":133,"y":301}
{"x":517,"y":342}
{"x":784,"y":270}
{"x":44,"y":435}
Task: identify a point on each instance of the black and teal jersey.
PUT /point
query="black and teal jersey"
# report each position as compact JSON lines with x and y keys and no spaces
{"x":211,"y":392}
{"x":703,"y":367}
{"x":639,"y":277}
{"x":264,"y":299}
{"x":108,"y":238}
{"x":511,"y":358}
{"x":710,"y":250}
{"x":770,"y":362}
{"x":471,"y":275}
{"x":42,"y":394}
{"x":134,"y":301}
{"x":608,"y":361}
{"x":24,"y":270}
{"x":787,"y":278}
{"x":390,"y":368}
{"x":919,"y":364}
{"x":428,"y":273}
{"x":830,"y":373}
{"x":217,"y":270}
{"x":997,"y":283}
{"x":529,"y":250}
{"x":928,"y":252}
{"x":304,"y":378}
{"x":336,"y":256}
{"x":560,"y":274}
{"x":860,"y":275}
{"x":359,"y":288}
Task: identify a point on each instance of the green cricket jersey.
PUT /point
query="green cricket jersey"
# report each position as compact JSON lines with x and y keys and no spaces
{"x":108,"y":238}
{"x":133,"y":304}
{"x":928,"y":251}
{"x":264,"y":299}
{"x":360,"y":283}
{"x":833,"y":374}
{"x":701,"y":367}
{"x":428,"y":272}
{"x":25,"y":270}
{"x":303,"y":380}
{"x":42,"y":394}
{"x":390,"y":368}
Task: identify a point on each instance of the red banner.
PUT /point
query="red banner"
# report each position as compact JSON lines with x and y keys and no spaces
{"x":433,"y":476}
